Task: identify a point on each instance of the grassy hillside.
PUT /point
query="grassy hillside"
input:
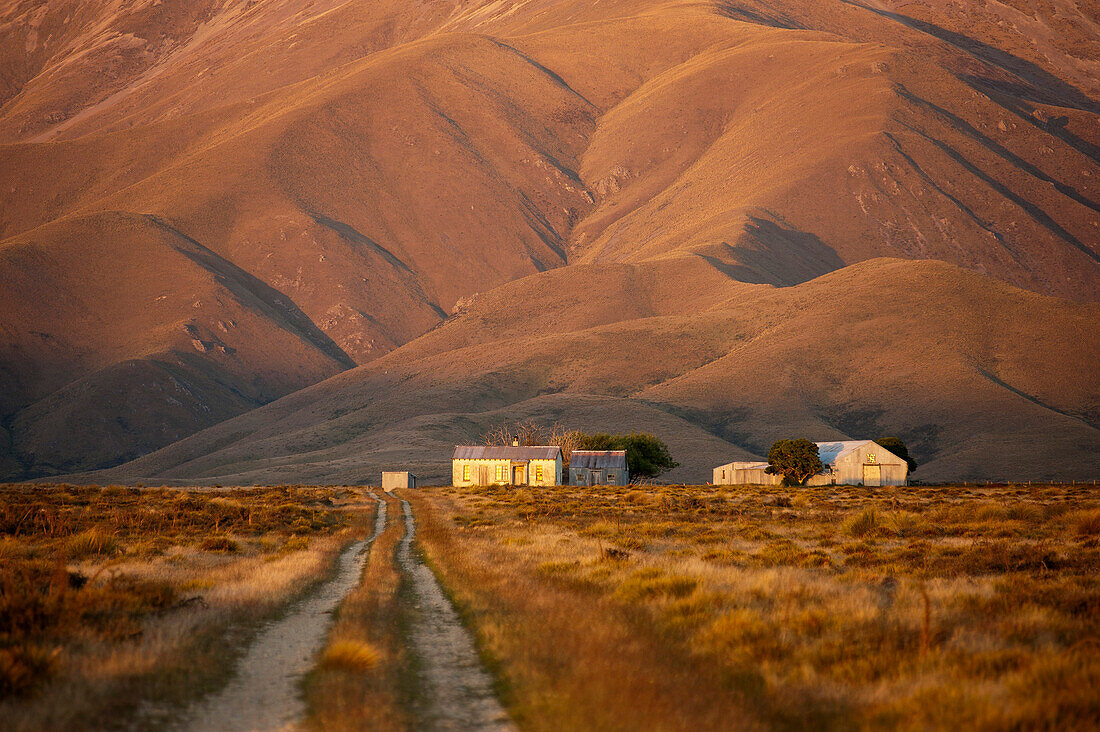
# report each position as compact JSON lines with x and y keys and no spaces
{"x":369,"y":166}
{"x":956,"y":364}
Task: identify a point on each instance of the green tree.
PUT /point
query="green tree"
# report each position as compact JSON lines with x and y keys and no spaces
{"x":796,"y":460}
{"x":646,"y":455}
{"x":896,"y":446}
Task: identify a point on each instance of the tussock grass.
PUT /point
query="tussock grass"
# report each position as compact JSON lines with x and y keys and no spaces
{"x":1087,"y":523}
{"x":350,"y":655}
{"x":943,"y":607}
{"x":861,"y":524}
{"x":113,"y":597}
{"x":90,"y":542}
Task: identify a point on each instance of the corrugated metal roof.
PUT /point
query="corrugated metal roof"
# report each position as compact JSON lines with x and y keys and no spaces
{"x":506,"y":452}
{"x":830,"y":452}
{"x":598,"y":459}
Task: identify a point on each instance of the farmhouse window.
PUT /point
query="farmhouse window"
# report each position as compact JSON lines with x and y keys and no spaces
{"x":610,"y":476}
{"x":500,"y":473}
{"x":538,"y":472}
{"x":466,"y":471}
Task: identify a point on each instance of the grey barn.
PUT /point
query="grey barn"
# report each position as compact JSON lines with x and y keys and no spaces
{"x":598,"y":467}
{"x":851,"y":462}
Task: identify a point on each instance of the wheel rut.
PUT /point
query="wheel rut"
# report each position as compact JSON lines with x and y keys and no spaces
{"x":264,"y":693}
{"x":458,"y":691}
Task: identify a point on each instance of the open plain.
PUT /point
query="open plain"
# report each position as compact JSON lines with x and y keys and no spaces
{"x":256,"y":253}
{"x":636,"y":607}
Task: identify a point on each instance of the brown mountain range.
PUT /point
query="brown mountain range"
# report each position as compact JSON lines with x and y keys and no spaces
{"x":675,"y":214}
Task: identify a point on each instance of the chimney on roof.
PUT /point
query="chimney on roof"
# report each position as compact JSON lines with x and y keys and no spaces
{"x":515,"y":442}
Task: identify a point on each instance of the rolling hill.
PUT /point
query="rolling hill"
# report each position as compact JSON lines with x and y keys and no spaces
{"x":983,"y":380}
{"x":582,"y":207}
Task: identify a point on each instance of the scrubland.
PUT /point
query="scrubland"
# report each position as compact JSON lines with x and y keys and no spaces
{"x":740,"y":607}
{"x":119,"y":605}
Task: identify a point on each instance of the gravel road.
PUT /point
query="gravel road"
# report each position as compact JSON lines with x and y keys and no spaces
{"x":458,"y":691}
{"x":264,"y":693}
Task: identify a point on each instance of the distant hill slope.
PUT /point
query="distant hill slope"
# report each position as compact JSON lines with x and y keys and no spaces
{"x":232,"y":200}
{"x":983,"y":380}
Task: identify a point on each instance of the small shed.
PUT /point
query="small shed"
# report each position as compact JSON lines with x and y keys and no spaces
{"x":745,"y":473}
{"x":598,"y":467}
{"x":506,"y":465}
{"x":392,"y":479}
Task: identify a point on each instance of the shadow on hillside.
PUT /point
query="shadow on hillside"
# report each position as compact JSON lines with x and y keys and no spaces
{"x":1040,"y":86}
{"x":996,"y":148}
{"x":736,"y":11}
{"x":772,"y":254}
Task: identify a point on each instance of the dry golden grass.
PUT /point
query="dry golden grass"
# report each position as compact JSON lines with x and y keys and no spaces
{"x":113,"y":598}
{"x":685,"y":607}
{"x":364,"y":679}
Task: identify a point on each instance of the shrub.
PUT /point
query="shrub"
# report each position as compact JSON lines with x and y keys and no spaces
{"x":22,"y":666}
{"x":219,"y":544}
{"x":295,"y":544}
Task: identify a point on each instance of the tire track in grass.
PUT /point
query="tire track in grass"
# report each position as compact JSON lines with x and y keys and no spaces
{"x":458,"y":690}
{"x":264,"y":693}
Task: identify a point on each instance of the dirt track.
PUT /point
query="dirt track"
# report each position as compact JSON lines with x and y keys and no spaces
{"x":264,"y":694}
{"x":458,"y":691}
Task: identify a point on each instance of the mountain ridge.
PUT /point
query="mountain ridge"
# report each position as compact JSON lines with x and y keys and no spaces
{"x":380,"y":165}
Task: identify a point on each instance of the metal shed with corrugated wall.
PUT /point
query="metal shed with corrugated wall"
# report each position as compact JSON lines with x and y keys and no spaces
{"x":598,"y":467}
{"x":846,"y":462}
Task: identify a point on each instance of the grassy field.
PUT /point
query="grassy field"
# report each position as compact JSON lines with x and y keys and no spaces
{"x":715,"y":607}
{"x":118,"y":605}
{"x":661,"y":607}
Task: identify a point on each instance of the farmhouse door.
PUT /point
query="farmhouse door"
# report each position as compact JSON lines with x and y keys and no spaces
{"x":596,"y":477}
{"x":519,"y":475}
{"x":872,"y":475}
{"x":483,"y":475}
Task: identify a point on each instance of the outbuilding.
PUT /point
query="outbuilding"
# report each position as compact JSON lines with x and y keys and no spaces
{"x":598,"y":467}
{"x":392,"y":479}
{"x":506,"y":465}
{"x":847,"y":462}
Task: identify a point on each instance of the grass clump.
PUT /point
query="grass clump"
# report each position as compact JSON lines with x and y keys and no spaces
{"x":350,"y":655}
{"x":861,"y":524}
{"x":89,"y":543}
{"x":652,"y":583}
{"x":1087,"y":523}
